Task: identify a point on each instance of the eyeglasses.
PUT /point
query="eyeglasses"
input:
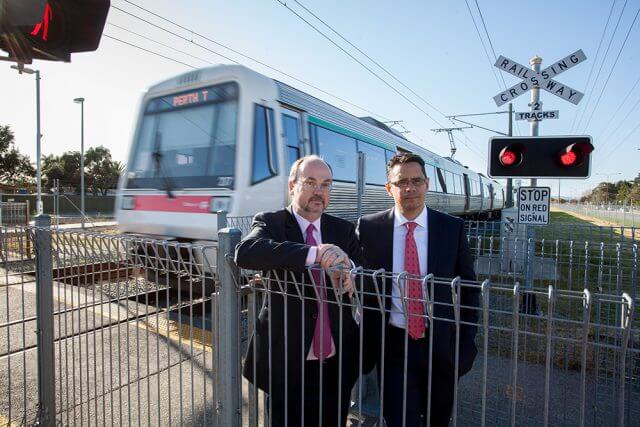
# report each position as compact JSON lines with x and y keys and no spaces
{"x":405,"y":183}
{"x":312,"y":186}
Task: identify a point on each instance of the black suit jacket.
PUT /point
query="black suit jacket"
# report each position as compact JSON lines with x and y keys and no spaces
{"x":448,"y":257}
{"x":276,"y":243}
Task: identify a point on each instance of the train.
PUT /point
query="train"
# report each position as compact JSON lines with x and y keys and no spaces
{"x":223,"y":138}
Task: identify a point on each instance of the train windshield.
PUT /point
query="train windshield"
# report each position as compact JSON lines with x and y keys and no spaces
{"x":187,"y":140}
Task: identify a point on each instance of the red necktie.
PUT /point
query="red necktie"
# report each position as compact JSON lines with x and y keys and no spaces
{"x":322,"y":333}
{"x":415,"y":309}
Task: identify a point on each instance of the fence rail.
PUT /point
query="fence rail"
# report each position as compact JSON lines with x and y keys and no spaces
{"x":127,"y":348}
{"x":623,"y":214}
{"x":12,"y":213}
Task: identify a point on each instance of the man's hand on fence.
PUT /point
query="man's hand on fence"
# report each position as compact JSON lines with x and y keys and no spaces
{"x":331,"y":256}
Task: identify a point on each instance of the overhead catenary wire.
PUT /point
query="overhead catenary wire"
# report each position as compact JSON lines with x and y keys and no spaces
{"x":385,"y":82}
{"x":417,"y":95}
{"x":160,"y":43}
{"x":484,"y":47}
{"x":615,"y":114}
{"x":148,"y":50}
{"x":595,"y":60}
{"x":495,"y":57}
{"x":236,"y":52}
{"x":326,"y":24}
{"x":624,"y":43}
{"x":604,"y":57}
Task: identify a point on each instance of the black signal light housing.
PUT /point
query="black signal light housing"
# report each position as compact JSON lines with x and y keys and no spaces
{"x":540,"y":157}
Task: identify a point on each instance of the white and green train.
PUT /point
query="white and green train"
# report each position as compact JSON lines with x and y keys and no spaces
{"x":223,"y":138}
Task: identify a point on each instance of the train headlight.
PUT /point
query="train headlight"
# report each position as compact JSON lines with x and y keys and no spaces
{"x":220,"y":204}
{"x":128,"y":202}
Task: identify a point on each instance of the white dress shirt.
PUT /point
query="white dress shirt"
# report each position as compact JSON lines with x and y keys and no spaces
{"x":311,"y":259}
{"x":397,"y":317}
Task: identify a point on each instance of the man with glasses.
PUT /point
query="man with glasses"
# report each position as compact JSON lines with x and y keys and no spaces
{"x":304,"y":350}
{"x":413,"y":238}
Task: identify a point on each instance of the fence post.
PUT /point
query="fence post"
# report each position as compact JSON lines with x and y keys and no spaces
{"x":44,"y":314}
{"x":222,"y":219}
{"x":228,"y":377}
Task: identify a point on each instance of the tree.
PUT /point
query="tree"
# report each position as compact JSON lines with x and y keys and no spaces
{"x":105,"y":176}
{"x":101,"y":172}
{"x":15,"y":168}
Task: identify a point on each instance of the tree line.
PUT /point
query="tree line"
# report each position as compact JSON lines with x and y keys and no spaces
{"x":626,"y":192}
{"x":17,"y":171}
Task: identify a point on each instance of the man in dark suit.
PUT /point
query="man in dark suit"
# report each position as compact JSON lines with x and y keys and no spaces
{"x":411,"y":237}
{"x":303,"y":345}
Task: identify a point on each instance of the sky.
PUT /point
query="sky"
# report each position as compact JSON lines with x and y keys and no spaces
{"x":438,"y":57}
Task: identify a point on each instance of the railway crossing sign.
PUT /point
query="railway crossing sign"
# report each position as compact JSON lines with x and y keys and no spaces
{"x":533,"y":205}
{"x":543,"y":79}
{"x":536,"y":114}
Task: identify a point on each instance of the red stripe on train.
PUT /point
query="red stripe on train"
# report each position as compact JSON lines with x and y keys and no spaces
{"x":192,"y":204}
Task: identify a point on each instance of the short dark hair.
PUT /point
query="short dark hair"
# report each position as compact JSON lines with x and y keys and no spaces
{"x":403,"y":158}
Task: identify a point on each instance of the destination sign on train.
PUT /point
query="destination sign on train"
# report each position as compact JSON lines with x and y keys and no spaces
{"x":217,"y":93}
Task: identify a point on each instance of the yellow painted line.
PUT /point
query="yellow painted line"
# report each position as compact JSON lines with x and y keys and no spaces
{"x":158,"y":324}
{"x":4,"y":422}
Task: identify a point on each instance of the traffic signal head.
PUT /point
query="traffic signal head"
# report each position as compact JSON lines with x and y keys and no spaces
{"x":540,"y":157}
{"x":62,"y":27}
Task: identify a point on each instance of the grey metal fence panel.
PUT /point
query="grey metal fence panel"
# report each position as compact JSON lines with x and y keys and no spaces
{"x":139,"y":335}
{"x":14,"y":213}
{"x":564,"y":364}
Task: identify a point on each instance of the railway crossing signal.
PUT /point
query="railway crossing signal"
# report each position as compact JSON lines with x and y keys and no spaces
{"x":540,"y":157}
{"x":50,"y":30}
{"x":542,"y":79}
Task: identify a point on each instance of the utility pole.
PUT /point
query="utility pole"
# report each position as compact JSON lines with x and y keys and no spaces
{"x":81,"y":102}
{"x":449,"y":132}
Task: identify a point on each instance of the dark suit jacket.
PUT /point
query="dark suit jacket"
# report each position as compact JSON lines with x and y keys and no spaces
{"x":276,"y":243}
{"x":448,"y":257}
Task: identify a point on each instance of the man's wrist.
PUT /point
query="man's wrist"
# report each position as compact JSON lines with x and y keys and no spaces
{"x":311,"y":256}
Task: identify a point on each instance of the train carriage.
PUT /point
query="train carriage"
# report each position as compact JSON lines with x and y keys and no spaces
{"x":223,"y":138}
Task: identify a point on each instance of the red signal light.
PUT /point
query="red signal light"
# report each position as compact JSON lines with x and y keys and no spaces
{"x":44,"y":24}
{"x":574,"y":154}
{"x":569,"y":158}
{"x":508,"y":158}
{"x":511,"y":155}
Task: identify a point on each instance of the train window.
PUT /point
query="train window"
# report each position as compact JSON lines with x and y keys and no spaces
{"x":375,"y":164}
{"x":476,"y":188}
{"x":339,"y":151}
{"x":458,"y":181}
{"x":265,"y":163}
{"x":224,"y":145}
{"x":431,"y":174}
{"x":389,"y":154}
{"x":291,"y":138}
{"x":441,"y":180}
{"x":451,"y":186}
{"x":193,"y":145}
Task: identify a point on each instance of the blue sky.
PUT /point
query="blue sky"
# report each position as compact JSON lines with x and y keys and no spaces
{"x":432,"y":47}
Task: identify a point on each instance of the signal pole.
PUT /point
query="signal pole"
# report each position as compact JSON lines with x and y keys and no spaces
{"x":535,"y":101}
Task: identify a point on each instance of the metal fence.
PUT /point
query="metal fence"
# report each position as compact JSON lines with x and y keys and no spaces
{"x":624,"y":214}
{"x":93,"y":334}
{"x":564,"y":365}
{"x":101,"y":329}
{"x":12,"y":213}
